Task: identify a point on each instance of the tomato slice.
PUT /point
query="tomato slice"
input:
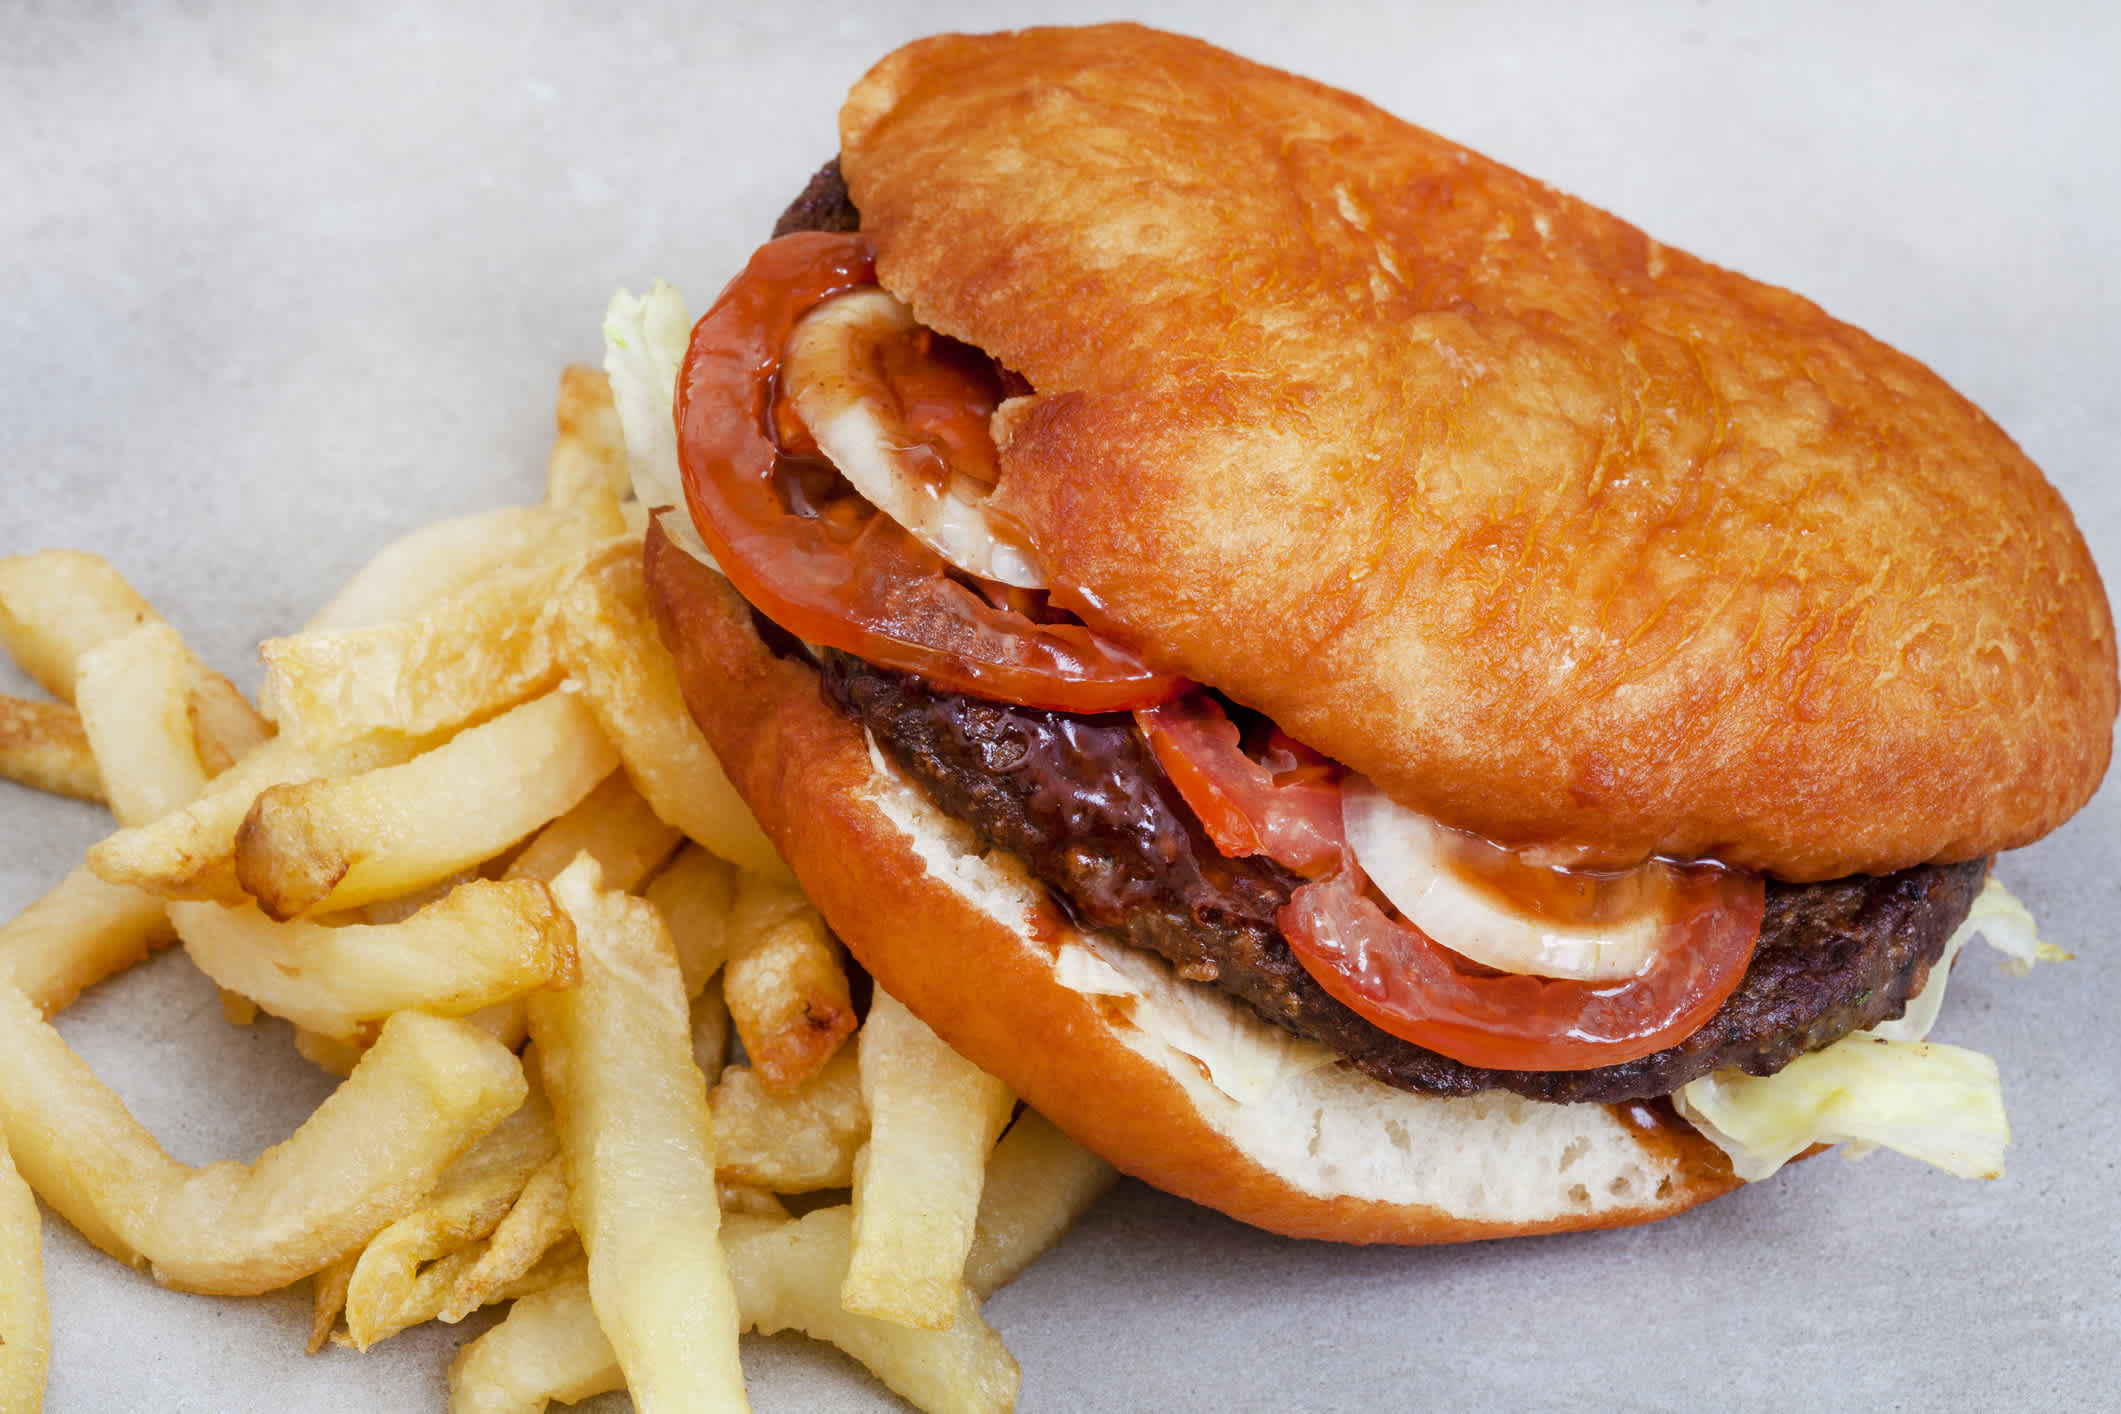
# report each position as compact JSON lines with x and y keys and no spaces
{"x":1285,"y":806}
{"x":831,"y":569}
{"x":1400,"y":980}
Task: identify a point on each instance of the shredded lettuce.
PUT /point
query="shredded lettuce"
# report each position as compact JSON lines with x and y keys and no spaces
{"x":1940,"y":1104}
{"x":644,"y":345}
{"x":1885,"y":1087}
{"x":2005,"y":925}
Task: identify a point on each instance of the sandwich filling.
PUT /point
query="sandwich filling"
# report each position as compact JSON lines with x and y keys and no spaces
{"x":836,"y":462}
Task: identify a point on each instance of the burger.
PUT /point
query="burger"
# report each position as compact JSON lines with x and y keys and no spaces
{"x":1379,"y":697}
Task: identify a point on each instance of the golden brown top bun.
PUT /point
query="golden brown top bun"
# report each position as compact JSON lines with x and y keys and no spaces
{"x":1557,"y":533}
{"x":1312,"y":1149}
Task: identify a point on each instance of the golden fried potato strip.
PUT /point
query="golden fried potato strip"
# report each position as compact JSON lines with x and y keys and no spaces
{"x":437,"y":560}
{"x":548,"y":1347}
{"x":787,"y":1276}
{"x":42,"y":746}
{"x":538,"y":1221}
{"x":694,"y":893}
{"x":341,"y":842}
{"x":474,"y":1195}
{"x":613,"y":825}
{"x":481,"y":943}
{"x":589,"y":446}
{"x":190,"y":853}
{"x":616,"y":1053}
{"x":134,"y":707}
{"x":785,"y":985}
{"x":463,"y":659}
{"x":327,"y":1298}
{"x":933,"y":1118}
{"x":56,"y":605}
{"x":425,"y":1092}
{"x":790,"y":1141}
{"x":1039,"y":1181}
{"x":25,"y":1322}
{"x":611,"y":646}
{"x":82,"y":931}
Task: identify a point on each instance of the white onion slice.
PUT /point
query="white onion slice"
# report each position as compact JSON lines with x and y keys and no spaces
{"x":1408,"y":857}
{"x":841,"y":398}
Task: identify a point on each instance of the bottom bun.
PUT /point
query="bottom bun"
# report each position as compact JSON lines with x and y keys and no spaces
{"x":1168,"y":1080}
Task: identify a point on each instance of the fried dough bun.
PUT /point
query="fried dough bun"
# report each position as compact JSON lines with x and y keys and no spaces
{"x":1556,"y":533}
{"x":968,"y":941}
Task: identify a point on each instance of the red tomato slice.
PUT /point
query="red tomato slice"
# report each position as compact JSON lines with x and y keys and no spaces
{"x":1398,"y":979}
{"x":1286,"y":807}
{"x":839,"y":573}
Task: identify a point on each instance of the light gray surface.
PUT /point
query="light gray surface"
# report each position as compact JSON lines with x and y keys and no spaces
{"x":278,"y":289}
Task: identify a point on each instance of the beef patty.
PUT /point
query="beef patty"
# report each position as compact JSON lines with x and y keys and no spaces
{"x":1084,"y":803}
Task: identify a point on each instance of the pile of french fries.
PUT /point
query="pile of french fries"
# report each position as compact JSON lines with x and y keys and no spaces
{"x":478,"y":855}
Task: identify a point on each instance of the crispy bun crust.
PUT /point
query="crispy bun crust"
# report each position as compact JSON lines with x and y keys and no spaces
{"x":973,"y":949}
{"x":1556,"y":532}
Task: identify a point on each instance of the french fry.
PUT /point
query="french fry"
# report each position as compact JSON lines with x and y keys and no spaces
{"x":131,"y":694}
{"x":1039,"y":1181}
{"x":341,"y":842}
{"x":482,"y":943}
{"x":329,"y":1054}
{"x":616,"y":1052}
{"x":933,"y":1117}
{"x":548,"y":1347}
{"x":470,"y":655}
{"x":428,"y":1292}
{"x":404,"y":906}
{"x":589,"y":448}
{"x":190,"y":853}
{"x":790,"y":1141}
{"x":437,"y":560}
{"x":609,"y":641}
{"x":223,"y":723}
{"x":56,"y":605}
{"x":468,"y":1203}
{"x":327,"y":1298}
{"x":82,"y":931}
{"x":786,"y":1275}
{"x":694,"y":894}
{"x":537,"y":1222}
{"x":25,"y":1321}
{"x":612,"y":825}
{"x":710,"y":1033}
{"x":43,"y":746}
{"x":425,"y":1092}
{"x":749,"y":1201}
{"x":786,"y":989}
{"x":237,"y":1009}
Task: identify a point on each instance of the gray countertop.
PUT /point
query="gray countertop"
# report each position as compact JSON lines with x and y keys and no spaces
{"x":279,"y":288}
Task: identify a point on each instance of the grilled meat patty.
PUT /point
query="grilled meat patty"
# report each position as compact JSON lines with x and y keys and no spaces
{"x":1084,"y":803}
